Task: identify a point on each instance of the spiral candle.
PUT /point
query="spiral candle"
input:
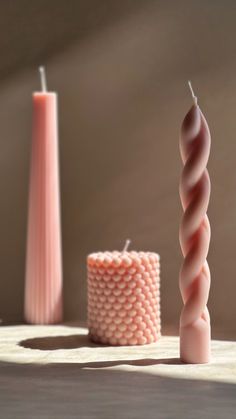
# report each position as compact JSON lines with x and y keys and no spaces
{"x":195,"y":237}
{"x":124,"y":297}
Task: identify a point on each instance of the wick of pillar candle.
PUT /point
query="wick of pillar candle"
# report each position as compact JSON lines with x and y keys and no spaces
{"x":192,"y":93}
{"x":43,"y":79}
{"x":127,"y":243}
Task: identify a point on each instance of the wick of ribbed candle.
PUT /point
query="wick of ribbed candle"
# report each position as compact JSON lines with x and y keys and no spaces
{"x":192,"y":93}
{"x":127,"y":243}
{"x":43,"y":78}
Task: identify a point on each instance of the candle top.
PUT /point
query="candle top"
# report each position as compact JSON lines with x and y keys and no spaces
{"x":44,"y":94}
{"x":126,"y":258}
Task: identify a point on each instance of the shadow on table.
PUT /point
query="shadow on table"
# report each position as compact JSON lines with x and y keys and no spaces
{"x":50,"y":343}
{"x":67,"y":391}
{"x":90,"y":390}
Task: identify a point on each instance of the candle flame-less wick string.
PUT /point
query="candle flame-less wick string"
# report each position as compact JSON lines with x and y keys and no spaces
{"x":192,"y":93}
{"x":127,"y":243}
{"x":43,"y":78}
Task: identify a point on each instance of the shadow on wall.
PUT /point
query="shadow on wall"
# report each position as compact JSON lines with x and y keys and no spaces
{"x":46,"y":30}
{"x":35,"y":32}
{"x":120,"y":68}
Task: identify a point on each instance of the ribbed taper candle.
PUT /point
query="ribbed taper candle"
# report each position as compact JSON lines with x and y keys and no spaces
{"x":195,"y":234}
{"x":43,"y":285}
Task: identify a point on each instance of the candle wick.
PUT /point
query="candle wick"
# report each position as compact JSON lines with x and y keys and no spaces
{"x":127,"y":243}
{"x":192,"y":93}
{"x":43,"y":78}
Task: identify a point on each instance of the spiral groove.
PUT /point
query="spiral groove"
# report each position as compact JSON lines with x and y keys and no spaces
{"x":194,"y":280}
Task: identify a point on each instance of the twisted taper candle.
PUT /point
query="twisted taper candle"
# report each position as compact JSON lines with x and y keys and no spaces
{"x":195,"y":234}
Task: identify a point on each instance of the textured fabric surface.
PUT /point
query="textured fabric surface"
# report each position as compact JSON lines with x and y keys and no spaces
{"x":55,"y":371}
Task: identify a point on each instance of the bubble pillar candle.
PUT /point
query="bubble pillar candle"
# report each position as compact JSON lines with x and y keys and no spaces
{"x":43,"y":284}
{"x":195,"y":237}
{"x":124,"y":297}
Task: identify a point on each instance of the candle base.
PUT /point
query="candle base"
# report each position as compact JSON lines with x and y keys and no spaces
{"x":123,"y":341}
{"x":195,"y":343}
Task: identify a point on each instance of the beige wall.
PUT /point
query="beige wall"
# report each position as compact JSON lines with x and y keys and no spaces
{"x":120,"y":68}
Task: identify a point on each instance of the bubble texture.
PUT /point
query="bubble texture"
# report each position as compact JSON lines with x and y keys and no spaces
{"x":124,"y":297}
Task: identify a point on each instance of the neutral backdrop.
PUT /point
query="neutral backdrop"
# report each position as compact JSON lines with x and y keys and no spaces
{"x":121,"y":70}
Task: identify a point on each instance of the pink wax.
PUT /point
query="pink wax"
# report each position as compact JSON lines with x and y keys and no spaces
{"x":43,"y":286}
{"x":195,"y":330}
{"x":124,"y":297}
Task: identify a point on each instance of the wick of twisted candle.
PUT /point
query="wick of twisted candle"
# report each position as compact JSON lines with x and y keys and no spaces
{"x":192,"y":93}
{"x":127,"y":243}
{"x":43,"y":78}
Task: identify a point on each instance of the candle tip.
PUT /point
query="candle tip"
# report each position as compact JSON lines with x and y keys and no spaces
{"x":127,"y":243}
{"x":43,"y":78}
{"x":192,"y":92}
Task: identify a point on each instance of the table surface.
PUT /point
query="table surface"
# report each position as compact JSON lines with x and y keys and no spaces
{"x":56,"y":372}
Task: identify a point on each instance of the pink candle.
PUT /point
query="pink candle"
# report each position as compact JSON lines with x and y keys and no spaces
{"x":43,"y":286}
{"x":124,"y":297}
{"x":195,"y":237}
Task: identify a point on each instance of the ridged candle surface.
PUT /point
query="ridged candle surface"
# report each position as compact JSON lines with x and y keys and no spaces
{"x":195,"y":238}
{"x":43,"y":287}
{"x":124,"y":297}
